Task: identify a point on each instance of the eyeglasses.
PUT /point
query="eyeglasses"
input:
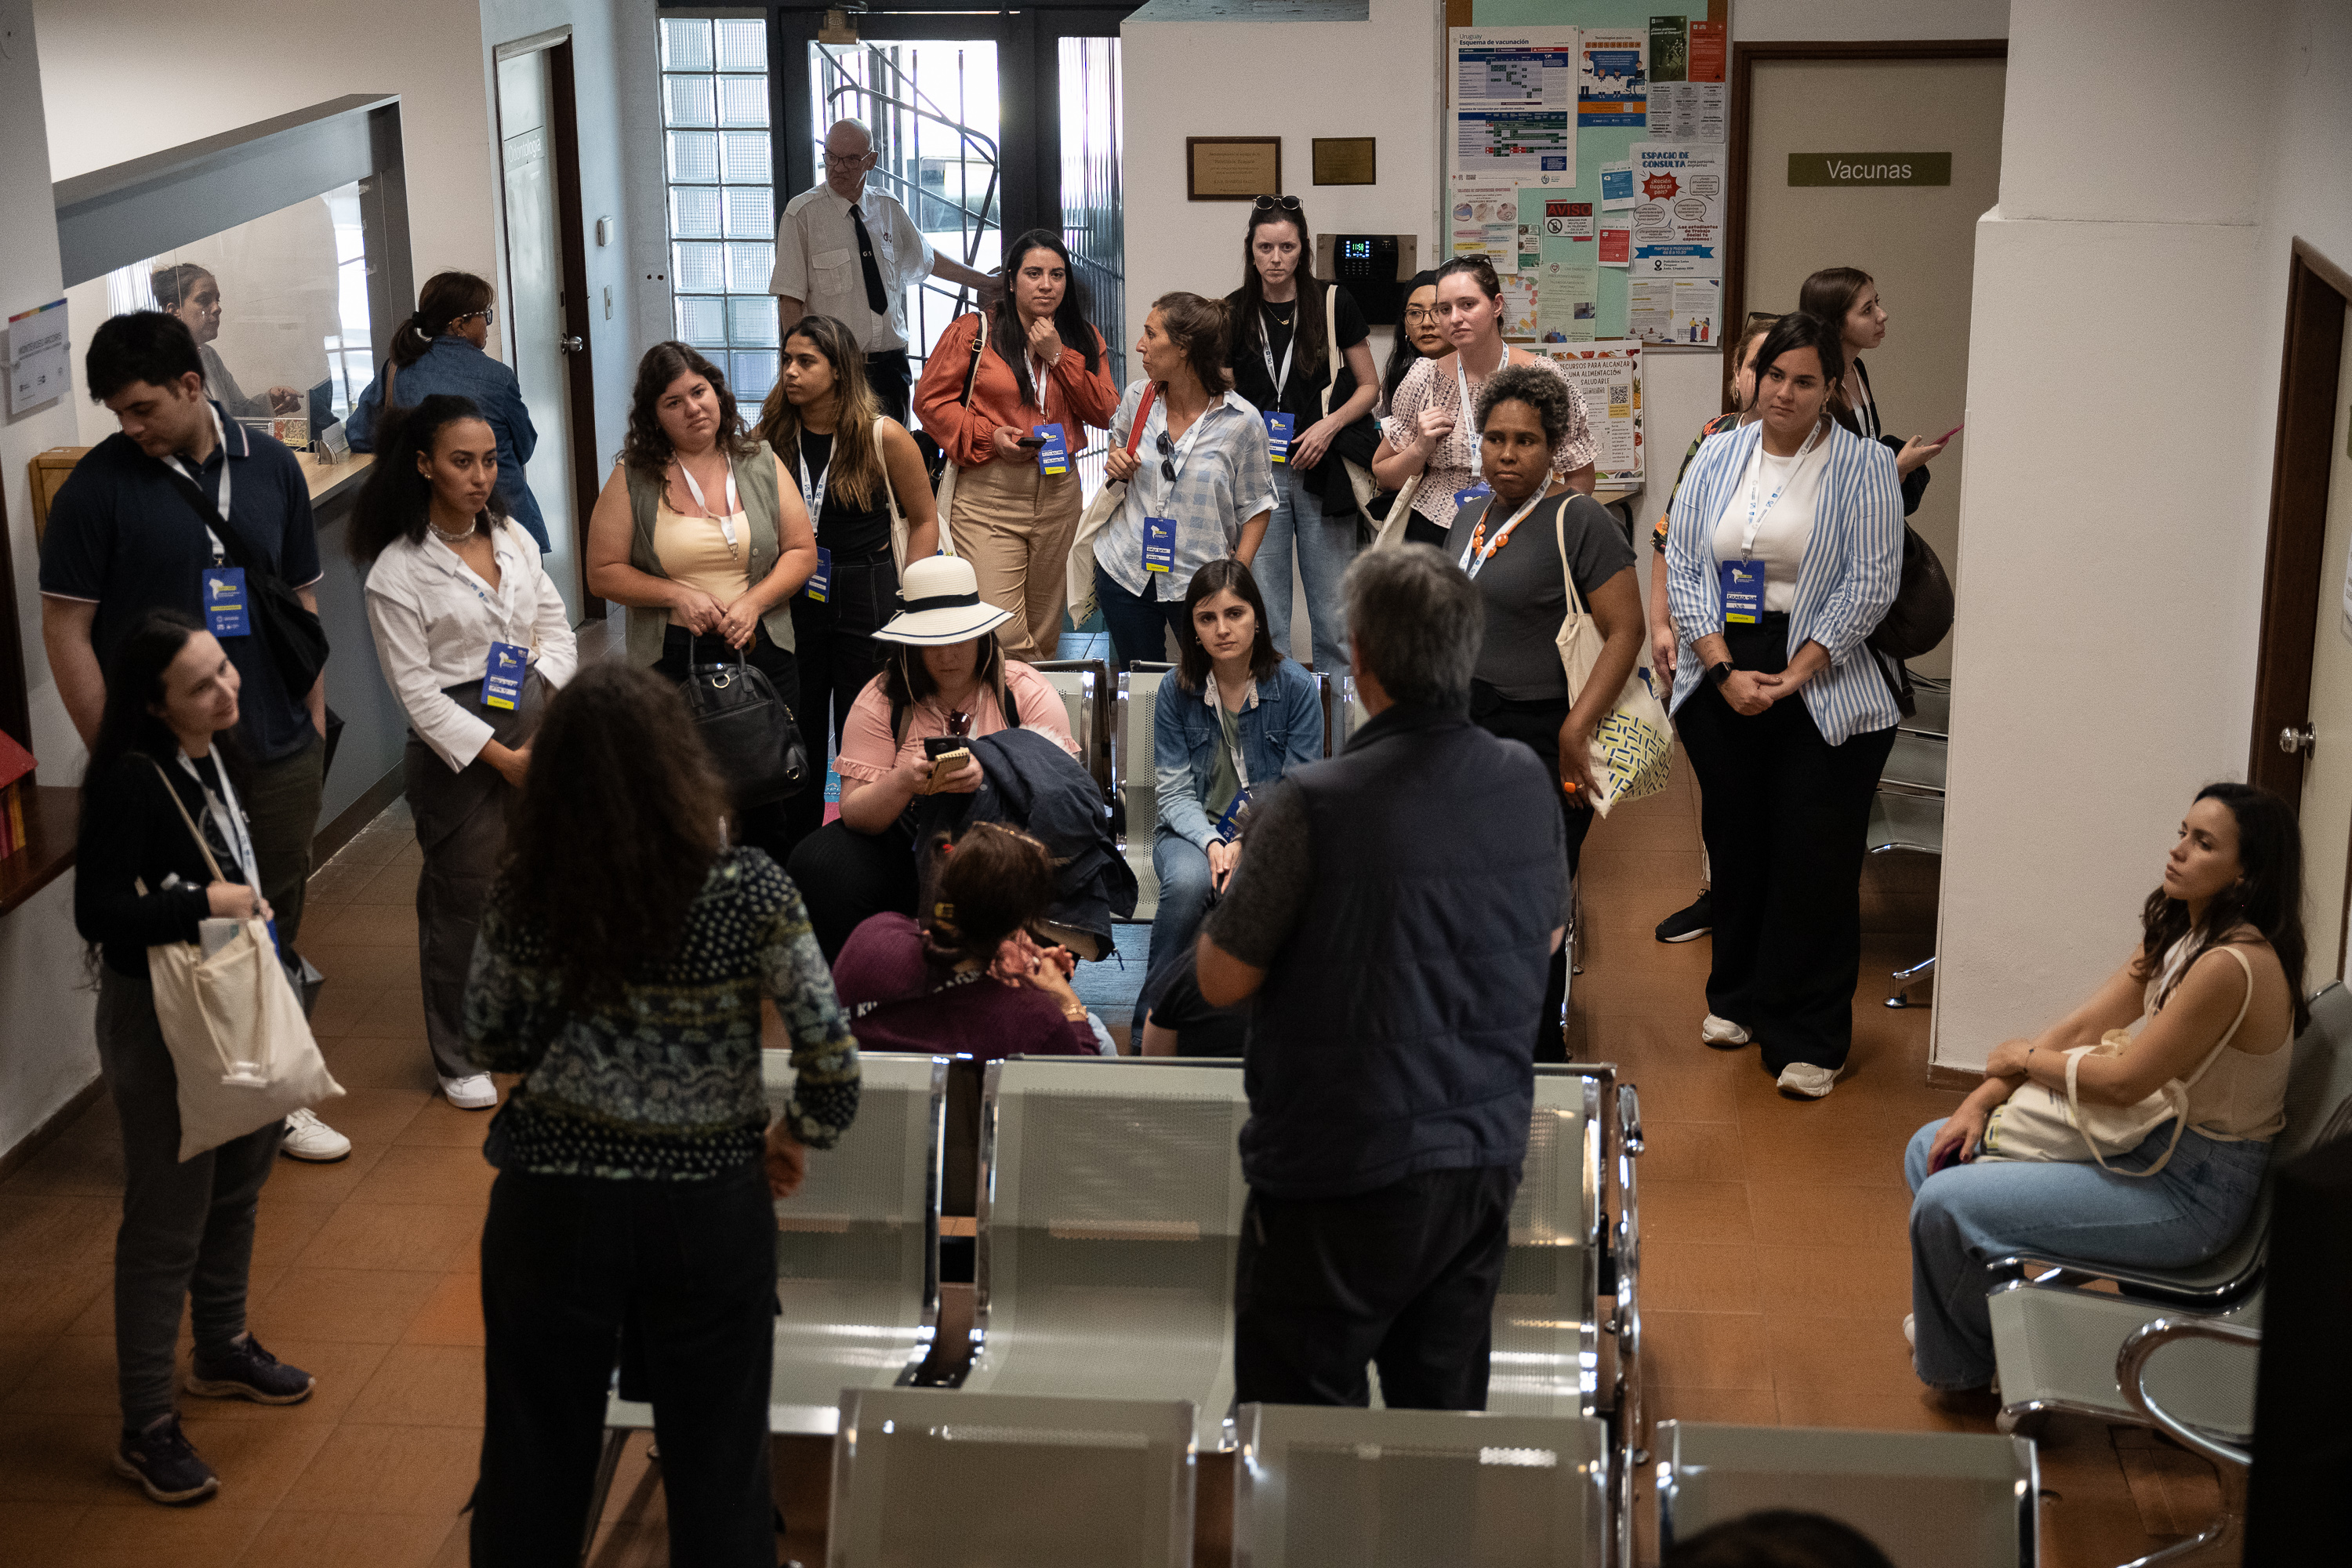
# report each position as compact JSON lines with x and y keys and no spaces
{"x":1268,"y":204}
{"x":1166,"y":457}
{"x":490,"y":314}
{"x":1421,"y":312}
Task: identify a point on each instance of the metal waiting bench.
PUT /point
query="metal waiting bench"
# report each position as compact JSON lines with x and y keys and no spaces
{"x":1135,"y":786}
{"x":922,"y":1477}
{"x":1929,"y":1500}
{"x":1906,"y":813}
{"x":1319,"y":1487}
{"x":1083,"y":686}
{"x":857,"y":1278}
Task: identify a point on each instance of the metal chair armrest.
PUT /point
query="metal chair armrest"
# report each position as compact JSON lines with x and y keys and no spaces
{"x":2158,"y":1288}
{"x":1633,"y":1454}
{"x":2131,"y":1376}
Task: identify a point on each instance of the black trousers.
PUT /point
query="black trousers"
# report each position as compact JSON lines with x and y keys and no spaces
{"x":1537,"y":726}
{"x":890,"y":375}
{"x":769,"y":826}
{"x":1404,"y":1277}
{"x":691,"y":1268}
{"x":834,"y":648}
{"x":1785,"y":816}
{"x":846,"y":877}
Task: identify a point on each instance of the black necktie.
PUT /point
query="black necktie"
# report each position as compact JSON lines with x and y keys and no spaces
{"x":877,"y":299}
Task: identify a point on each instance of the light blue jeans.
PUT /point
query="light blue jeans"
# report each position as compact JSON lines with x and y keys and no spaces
{"x":1966,"y":1216}
{"x":1182,"y":868}
{"x":1325,"y":546}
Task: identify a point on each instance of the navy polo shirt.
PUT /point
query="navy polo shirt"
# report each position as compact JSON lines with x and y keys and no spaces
{"x":124,"y":536}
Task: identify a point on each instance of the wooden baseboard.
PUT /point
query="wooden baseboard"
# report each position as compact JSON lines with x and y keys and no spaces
{"x":355,"y":816}
{"x":41,"y":1137}
{"x":1953,"y":1078}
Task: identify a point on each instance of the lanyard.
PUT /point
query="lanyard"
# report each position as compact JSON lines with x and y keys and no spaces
{"x":1185,"y":447}
{"x":220,"y":436}
{"x":1756,"y":476}
{"x":1281,"y":378}
{"x":1477,"y":448}
{"x":1041,"y":378}
{"x":726,"y":524}
{"x":813,"y":492}
{"x":1216,"y":699}
{"x":230,"y":816}
{"x":1485,"y":552}
{"x":502,"y":606}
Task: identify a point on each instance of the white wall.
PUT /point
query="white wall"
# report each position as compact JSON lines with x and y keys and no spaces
{"x":2116,"y":512}
{"x":46,"y":1048}
{"x":1814,"y":21}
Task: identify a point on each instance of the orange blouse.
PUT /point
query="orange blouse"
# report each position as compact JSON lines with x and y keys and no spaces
{"x":1074,"y":397}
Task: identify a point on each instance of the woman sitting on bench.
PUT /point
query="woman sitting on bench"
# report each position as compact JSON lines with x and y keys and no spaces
{"x":2215,"y":985}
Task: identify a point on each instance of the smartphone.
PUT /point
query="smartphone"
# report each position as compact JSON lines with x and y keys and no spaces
{"x":946,"y":762}
{"x":1955,"y":430}
{"x":938,"y":746}
{"x":1031,"y":441}
{"x":1947,"y":1159}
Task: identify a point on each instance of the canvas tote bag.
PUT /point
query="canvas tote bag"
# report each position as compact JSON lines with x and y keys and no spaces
{"x":1633,"y":748}
{"x":1080,"y":573}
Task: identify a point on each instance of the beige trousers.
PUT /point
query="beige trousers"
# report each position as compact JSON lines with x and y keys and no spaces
{"x":1014,"y":525}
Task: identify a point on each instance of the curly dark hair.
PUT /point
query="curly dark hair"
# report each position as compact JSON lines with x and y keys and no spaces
{"x":619,"y":765}
{"x":2267,"y":895}
{"x":1538,"y":388}
{"x":647,"y":449}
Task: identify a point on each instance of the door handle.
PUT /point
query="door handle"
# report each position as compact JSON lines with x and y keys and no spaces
{"x":2298,"y":742}
{"x":572,"y":346}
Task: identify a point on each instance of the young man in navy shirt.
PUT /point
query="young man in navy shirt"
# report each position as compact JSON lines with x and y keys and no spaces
{"x":125,"y":536}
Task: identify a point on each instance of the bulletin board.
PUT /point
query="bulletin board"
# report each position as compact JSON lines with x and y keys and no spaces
{"x":1681,"y":265}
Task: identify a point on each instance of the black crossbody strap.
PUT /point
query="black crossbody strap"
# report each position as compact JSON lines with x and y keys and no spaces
{"x":213,"y":520}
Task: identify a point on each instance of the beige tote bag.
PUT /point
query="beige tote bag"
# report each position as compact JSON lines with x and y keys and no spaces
{"x":948,"y":479}
{"x":1359,"y":478}
{"x":1080,"y":572}
{"x":1633,"y":747}
{"x":240,"y":1047}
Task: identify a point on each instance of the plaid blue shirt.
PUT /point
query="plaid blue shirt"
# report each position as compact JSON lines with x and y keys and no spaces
{"x":1225,"y":479}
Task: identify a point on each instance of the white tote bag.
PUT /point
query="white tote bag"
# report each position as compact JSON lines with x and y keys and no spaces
{"x":1080,"y":573}
{"x":241,"y":1048}
{"x":1633,"y":749}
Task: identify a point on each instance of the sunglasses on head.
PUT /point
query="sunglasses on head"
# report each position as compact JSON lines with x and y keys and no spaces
{"x":1268,"y":204}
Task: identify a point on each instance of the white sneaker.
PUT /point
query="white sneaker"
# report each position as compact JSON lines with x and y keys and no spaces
{"x":1722,"y":1033}
{"x":1910,"y":1333}
{"x":1803,"y":1080}
{"x":473,"y":1092}
{"x":308,"y":1138}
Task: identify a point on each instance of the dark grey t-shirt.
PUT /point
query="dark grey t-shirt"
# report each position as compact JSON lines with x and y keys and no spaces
{"x":1525,"y":594}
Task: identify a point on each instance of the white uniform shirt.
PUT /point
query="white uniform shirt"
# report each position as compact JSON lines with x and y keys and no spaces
{"x":435,"y":621}
{"x":1784,"y":533}
{"x":816,"y":262}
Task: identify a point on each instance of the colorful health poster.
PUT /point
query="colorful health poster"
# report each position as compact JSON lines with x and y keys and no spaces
{"x":1678,"y":213}
{"x":1513,"y":105}
{"x":1609,"y":376}
{"x":1520,"y":307}
{"x":1669,"y":49}
{"x":1484,"y":220}
{"x":1611,"y":87}
{"x":1708,"y":51}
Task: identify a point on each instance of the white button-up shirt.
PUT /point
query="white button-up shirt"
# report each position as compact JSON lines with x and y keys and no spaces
{"x":816,"y":262}
{"x":435,"y":621}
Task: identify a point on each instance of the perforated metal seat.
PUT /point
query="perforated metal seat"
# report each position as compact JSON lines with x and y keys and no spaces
{"x":2056,"y":1347}
{"x":1929,"y":1500}
{"x":922,"y":1477}
{"x":1110,"y":1202}
{"x":1545,"y":1359}
{"x":1335,"y":1488}
{"x":1915,"y":823}
{"x":1133,"y":779}
{"x":1084,"y":686}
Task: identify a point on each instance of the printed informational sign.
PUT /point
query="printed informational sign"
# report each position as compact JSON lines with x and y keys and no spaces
{"x":1709,"y":49}
{"x":1870,"y":168}
{"x":1679,"y":209}
{"x":1513,"y":105}
{"x":1609,"y":376}
{"x":39,"y":357}
{"x":1611,"y":87}
{"x":1484,"y":220}
{"x":1567,"y":298}
{"x":1669,"y":49}
{"x":1617,"y":185}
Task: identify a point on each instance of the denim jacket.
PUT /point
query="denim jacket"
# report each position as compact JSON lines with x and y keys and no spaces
{"x":1281,"y":730}
{"x":451,"y":364}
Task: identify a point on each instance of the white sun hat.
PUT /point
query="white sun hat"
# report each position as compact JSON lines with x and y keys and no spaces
{"x":940,"y":603}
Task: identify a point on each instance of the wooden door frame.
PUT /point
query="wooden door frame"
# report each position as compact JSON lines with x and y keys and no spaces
{"x":1745,"y":57}
{"x":571,"y":239}
{"x":2310,"y":365}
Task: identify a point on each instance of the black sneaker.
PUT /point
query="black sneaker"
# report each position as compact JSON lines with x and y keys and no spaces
{"x":165,"y":1465}
{"x":1686,"y":925}
{"x":248,"y":1372}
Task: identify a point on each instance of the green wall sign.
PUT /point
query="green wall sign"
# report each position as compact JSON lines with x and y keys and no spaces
{"x":1870,"y":168}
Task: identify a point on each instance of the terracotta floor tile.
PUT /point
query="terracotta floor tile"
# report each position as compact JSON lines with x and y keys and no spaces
{"x":366,"y":967}
{"x":1859,"y":1411}
{"x":71,"y":1168}
{"x":1698,"y":1277}
{"x":1695,"y":1211}
{"x":1691,"y":1151}
{"x":59,"y":1460}
{"x":282,"y":1230}
{"x":73,"y":1377}
{"x":362,"y":1061}
{"x":37,"y":1534}
{"x":423,"y":1385}
{"x":373,"y":1116}
{"x":1868,"y":1283}
{"x":20,"y":1355}
{"x":1796,"y":1213}
{"x":365,"y":925}
{"x":1679,"y":1085}
{"x":419,"y":1471}
{"x":341,"y":1369}
{"x":398,"y":1014}
{"x":409,"y":1174}
{"x":340,"y":1004}
{"x":60,"y":1231}
{"x":393,"y":884}
{"x":1704,"y":1350}
{"x":446,"y":1125}
{"x":305,"y":1182}
{"x":138,"y":1534}
{"x":1795,"y":1144}
{"x":354,"y":1306}
{"x":1846,"y":1355}
{"x":630,"y":1546}
{"x":347,"y":1540}
{"x":452,"y":1315}
{"x":40,"y":1303}
{"x":426,"y":1236}
{"x":336,"y":882}
{"x":1729,"y":1407}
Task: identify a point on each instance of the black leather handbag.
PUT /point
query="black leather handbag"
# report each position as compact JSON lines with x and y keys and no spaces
{"x":753,"y":738}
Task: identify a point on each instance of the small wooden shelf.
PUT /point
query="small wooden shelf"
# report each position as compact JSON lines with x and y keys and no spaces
{"x":52,"y":823}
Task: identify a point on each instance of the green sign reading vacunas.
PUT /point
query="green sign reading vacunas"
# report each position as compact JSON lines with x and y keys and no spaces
{"x":1870,"y":168}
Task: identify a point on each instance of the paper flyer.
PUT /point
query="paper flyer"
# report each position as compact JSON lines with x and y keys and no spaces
{"x":1564,"y":218}
{"x":1678,"y":217}
{"x":39,"y":357}
{"x":1608,"y":375}
{"x":1708,"y":49}
{"x":1687,"y":111}
{"x":1567,"y":298}
{"x":1649,"y":308}
{"x":1617,"y":185}
{"x":1485,"y":221}
{"x":1513,"y":105}
{"x":1519,"y":308}
{"x":1611,"y":84}
{"x":1532,"y":205}
{"x":1616,"y":244}
{"x":1669,"y":49}
{"x":1694,"y":310}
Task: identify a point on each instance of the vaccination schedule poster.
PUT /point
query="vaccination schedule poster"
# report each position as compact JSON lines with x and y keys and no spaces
{"x":1513,"y":105}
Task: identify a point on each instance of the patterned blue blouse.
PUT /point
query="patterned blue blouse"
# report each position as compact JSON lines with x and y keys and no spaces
{"x":663,"y":1084}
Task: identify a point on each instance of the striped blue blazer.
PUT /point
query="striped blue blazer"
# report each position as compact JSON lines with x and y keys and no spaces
{"x":1853,"y":566}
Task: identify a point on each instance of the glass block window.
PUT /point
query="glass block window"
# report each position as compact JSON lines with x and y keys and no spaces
{"x":722,"y":199}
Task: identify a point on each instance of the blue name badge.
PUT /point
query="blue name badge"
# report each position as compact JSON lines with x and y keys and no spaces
{"x":225,"y":603}
{"x":502,"y":685}
{"x":1476,"y":492}
{"x":819,"y":587}
{"x":1277,"y":436}
{"x":1743,"y":592}
{"x":1054,"y":457}
{"x":1229,"y":825}
{"x":1159,"y":544}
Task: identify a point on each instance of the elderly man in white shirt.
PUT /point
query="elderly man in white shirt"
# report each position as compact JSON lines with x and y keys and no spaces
{"x":850,"y":253}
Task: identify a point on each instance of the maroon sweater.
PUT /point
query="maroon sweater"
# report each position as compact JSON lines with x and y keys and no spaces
{"x":896,"y":1002}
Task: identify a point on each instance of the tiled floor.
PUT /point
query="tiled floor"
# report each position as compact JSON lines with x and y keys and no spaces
{"x":1773,"y":1234}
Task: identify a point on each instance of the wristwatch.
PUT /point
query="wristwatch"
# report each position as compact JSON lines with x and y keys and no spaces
{"x":1720,"y":673}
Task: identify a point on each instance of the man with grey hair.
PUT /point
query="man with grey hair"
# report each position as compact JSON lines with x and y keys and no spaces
{"x":1393,"y":919}
{"x":850,"y":253}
